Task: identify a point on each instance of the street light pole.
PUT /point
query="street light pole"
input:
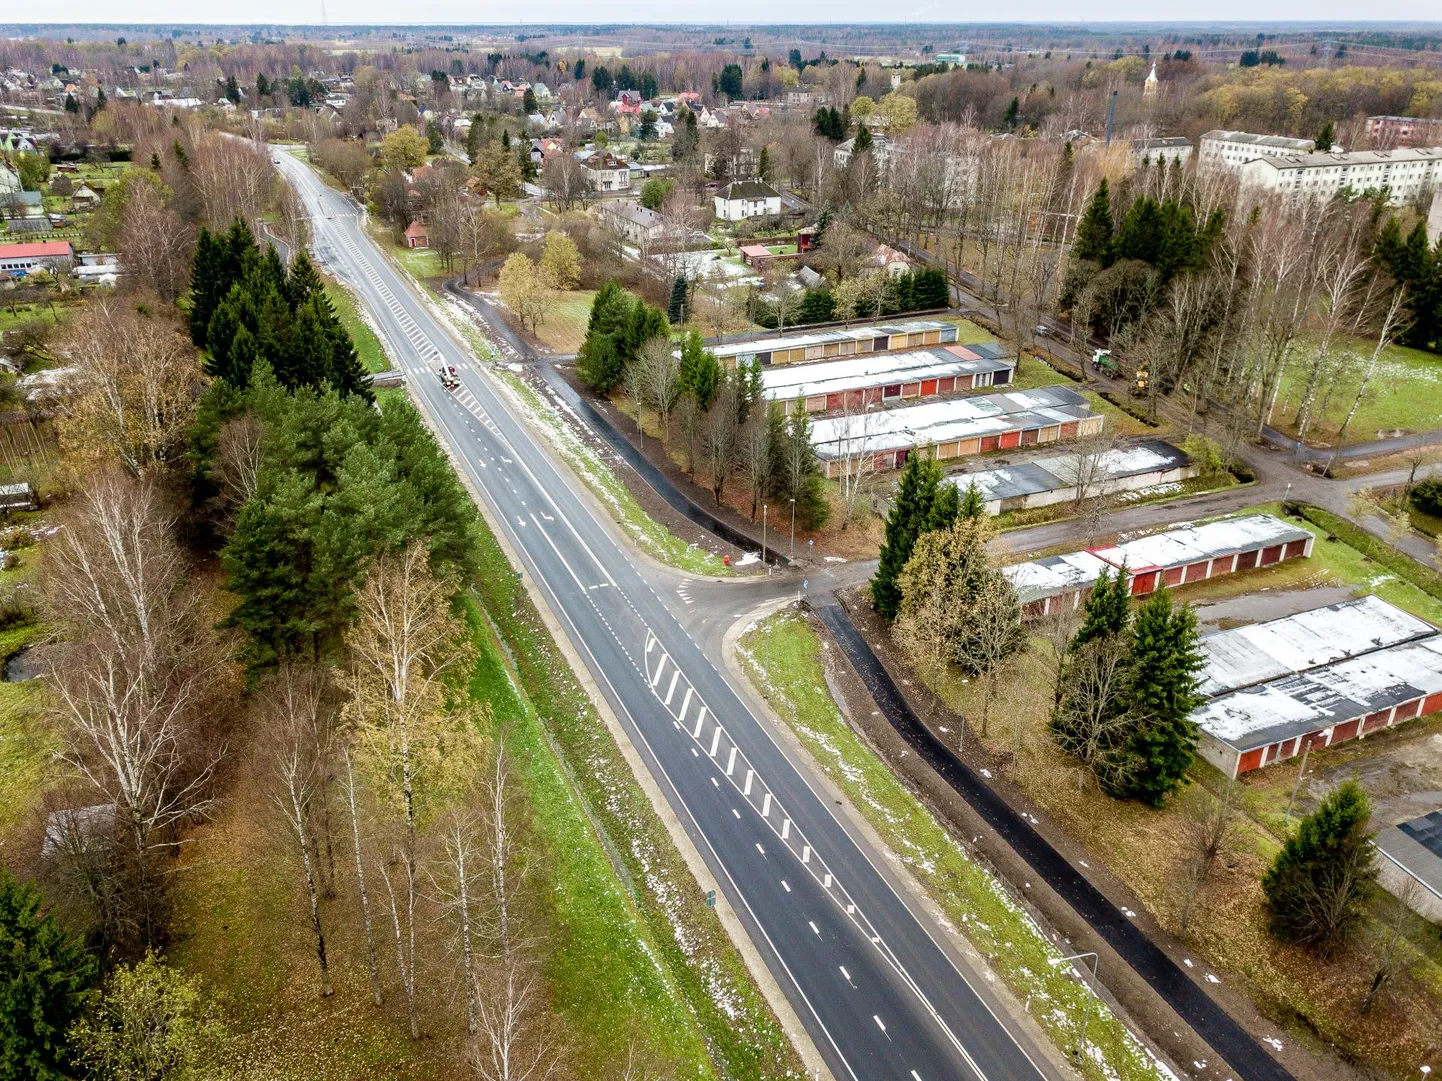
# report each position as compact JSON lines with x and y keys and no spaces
{"x":793,"y":531}
{"x":1301,"y":772}
{"x":1087,"y":1003}
{"x":763,"y":536}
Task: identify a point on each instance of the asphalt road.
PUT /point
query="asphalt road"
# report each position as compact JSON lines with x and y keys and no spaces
{"x":881,"y":993}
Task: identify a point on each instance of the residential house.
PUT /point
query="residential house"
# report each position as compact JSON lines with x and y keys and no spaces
{"x":52,"y":255}
{"x":418,"y":235}
{"x":889,"y":260}
{"x":608,"y":173}
{"x":633,"y":223}
{"x":22,"y":204}
{"x":9,"y":179}
{"x":85,"y":196}
{"x":744,"y":199}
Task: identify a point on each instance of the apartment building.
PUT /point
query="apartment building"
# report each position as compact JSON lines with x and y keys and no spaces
{"x":1233,"y":149}
{"x":1405,"y":130}
{"x":1404,"y":173}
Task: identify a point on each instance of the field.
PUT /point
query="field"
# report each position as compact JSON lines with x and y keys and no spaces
{"x":1404,"y":394}
{"x":782,"y":655}
{"x":967,"y":332}
{"x":1147,"y":847}
{"x":564,"y":327}
{"x":368,"y":347}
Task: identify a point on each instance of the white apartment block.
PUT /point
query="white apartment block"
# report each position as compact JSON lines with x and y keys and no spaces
{"x":1404,"y":173}
{"x":1233,"y":149}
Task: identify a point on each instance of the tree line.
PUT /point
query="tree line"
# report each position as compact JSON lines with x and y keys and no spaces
{"x":725,"y":425}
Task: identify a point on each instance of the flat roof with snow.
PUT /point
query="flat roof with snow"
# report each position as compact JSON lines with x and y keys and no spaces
{"x":1306,"y":702}
{"x":785,"y":382}
{"x":821,"y":337}
{"x":1260,"y":652}
{"x":1052,"y":575}
{"x":1064,"y":470}
{"x":948,"y":420}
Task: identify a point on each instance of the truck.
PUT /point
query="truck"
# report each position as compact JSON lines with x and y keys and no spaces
{"x":1103,"y":362}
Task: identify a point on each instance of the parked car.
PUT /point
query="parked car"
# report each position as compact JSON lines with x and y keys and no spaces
{"x":1041,"y":330}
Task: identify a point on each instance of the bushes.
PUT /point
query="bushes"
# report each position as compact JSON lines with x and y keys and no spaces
{"x":916,"y":290}
{"x":620,"y":323}
{"x":1426,"y":496}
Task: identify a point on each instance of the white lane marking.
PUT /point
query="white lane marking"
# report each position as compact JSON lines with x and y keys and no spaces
{"x":760,"y":849}
{"x":845,"y":975}
{"x":735,"y":812}
{"x":784,"y":886}
{"x":715,"y":741}
{"x":812,"y":924}
{"x":881,"y":1025}
{"x":731,"y":761}
{"x":671,"y":690}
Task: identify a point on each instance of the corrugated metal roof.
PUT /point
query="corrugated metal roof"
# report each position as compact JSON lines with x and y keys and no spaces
{"x":1062,"y":470}
{"x":862,"y":333}
{"x":1295,"y":705}
{"x":786,"y":381}
{"x":1254,"y":654}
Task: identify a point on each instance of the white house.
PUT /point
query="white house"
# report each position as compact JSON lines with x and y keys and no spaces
{"x":743,"y":199}
{"x":608,"y":173}
{"x":1404,"y":173}
{"x":633,"y":222}
{"x":1233,"y":149}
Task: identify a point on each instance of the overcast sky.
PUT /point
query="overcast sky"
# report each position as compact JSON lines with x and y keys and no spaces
{"x":722,"y":11}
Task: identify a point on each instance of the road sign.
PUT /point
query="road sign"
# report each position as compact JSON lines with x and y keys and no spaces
{"x":710,"y":898}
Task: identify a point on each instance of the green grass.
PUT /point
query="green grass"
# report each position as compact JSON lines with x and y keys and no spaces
{"x":1118,"y":421}
{"x":681,"y":950}
{"x":27,"y":749}
{"x":783,"y":658}
{"x":1035,"y":372}
{"x":647,"y":533}
{"x":367,"y":346}
{"x":564,"y":328}
{"x":968,"y":333}
{"x":1331,"y":563}
{"x":1405,"y":392}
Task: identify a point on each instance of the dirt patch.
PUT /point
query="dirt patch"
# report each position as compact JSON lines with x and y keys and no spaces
{"x":1130,"y":853}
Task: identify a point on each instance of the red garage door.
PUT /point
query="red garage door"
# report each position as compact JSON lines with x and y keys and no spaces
{"x":928,"y":386}
{"x":1431,"y":704}
{"x":834,"y":401}
{"x":1374,"y":721}
{"x":947,"y":385}
{"x":1195,"y":572}
{"x":1345,"y":730}
{"x":1143,"y":583}
{"x":1271,"y":555}
{"x":1010,"y":439}
{"x":1068,"y":430}
{"x":1250,"y":760}
{"x":990,"y":442}
{"x":1295,"y":549}
{"x":1172,"y":576}
{"x":1247,"y":560}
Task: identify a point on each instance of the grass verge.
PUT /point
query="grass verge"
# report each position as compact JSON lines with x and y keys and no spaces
{"x":690,"y":946}
{"x":650,"y":535}
{"x":367,"y":345}
{"x":782,"y":655}
{"x":27,"y":749}
{"x":1379,"y":551}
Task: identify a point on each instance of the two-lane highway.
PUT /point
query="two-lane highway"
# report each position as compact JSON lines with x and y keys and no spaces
{"x":870,"y":978}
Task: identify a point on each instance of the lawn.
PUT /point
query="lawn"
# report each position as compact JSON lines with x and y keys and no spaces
{"x":1118,"y":421}
{"x":27,"y":747}
{"x":1033,"y":372}
{"x":367,"y":345}
{"x":1405,"y":393}
{"x":782,"y":655}
{"x":564,"y":327}
{"x":967,"y":332}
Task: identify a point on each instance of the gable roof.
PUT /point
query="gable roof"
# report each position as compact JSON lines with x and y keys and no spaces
{"x":37,"y":248}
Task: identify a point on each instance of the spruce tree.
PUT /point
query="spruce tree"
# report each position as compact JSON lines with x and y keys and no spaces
{"x":205,"y":284}
{"x":1094,"y":232}
{"x":1318,"y":882}
{"x":910,"y":517}
{"x":46,"y":980}
{"x":1165,"y":669}
{"x":677,"y":307}
{"x":302,"y":282}
{"x":1107,"y":610}
{"x":972,"y":504}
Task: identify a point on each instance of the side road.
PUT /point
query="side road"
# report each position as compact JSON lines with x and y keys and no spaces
{"x":1205,"y":1016}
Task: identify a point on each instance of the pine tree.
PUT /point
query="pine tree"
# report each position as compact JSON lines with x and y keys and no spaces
{"x":1094,"y":232}
{"x":46,"y":979}
{"x":863,"y":141}
{"x":700,"y":370}
{"x":1107,"y":611}
{"x":676,"y":308}
{"x":1165,"y":668}
{"x":911,"y":515}
{"x":763,"y":165}
{"x":1316,"y":886}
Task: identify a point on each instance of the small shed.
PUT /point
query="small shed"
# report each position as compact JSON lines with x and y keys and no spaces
{"x":418,"y":235}
{"x":18,"y":496}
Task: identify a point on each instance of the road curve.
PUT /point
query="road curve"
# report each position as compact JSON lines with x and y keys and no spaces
{"x":880,"y":993}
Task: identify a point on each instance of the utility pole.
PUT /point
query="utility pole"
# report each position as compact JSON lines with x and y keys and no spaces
{"x":1301,"y":771}
{"x":793,"y":531}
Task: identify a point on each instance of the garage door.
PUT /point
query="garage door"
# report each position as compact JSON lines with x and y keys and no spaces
{"x":928,"y":387}
{"x":1270,"y":555}
{"x":1010,"y":439}
{"x":990,"y":442}
{"x":1247,"y":560}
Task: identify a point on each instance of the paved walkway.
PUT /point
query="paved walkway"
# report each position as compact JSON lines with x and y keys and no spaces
{"x":1208,"y":1019}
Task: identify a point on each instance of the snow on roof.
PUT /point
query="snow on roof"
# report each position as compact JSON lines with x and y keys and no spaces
{"x":788,"y":381}
{"x":947,"y":420}
{"x":819,"y":337}
{"x":1191,"y":544}
{"x":1263,"y":651}
{"x":1062,"y":470}
{"x":1172,"y":548}
{"x":1309,"y":701}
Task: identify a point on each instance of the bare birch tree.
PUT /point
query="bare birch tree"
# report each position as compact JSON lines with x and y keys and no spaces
{"x":299,"y":724}
{"x":136,"y":667}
